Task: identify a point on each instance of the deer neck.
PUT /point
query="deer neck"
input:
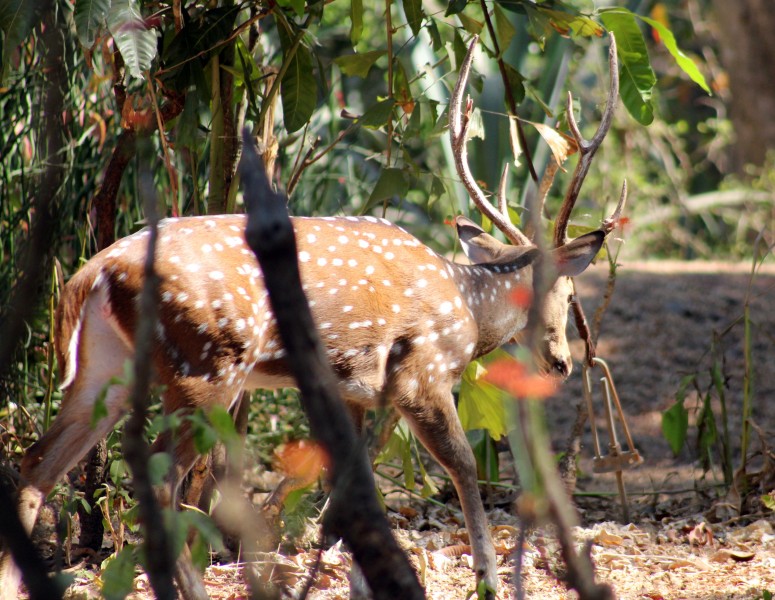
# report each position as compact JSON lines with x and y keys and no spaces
{"x":488,"y":290}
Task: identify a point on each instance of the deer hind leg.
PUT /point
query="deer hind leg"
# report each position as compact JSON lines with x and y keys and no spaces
{"x":72,"y":434}
{"x":434,"y":421}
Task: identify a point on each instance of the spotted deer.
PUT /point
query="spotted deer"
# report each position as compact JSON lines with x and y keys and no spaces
{"x":397,"y":320}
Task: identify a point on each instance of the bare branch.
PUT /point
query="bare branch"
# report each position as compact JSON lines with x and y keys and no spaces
{"x":459,"y":122}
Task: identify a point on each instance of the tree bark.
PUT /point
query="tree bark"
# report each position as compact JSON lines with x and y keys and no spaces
{"x":748,"y":52}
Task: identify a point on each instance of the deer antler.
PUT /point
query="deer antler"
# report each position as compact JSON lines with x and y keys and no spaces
{"x":587,"y":150}
{"x":459,"y":122}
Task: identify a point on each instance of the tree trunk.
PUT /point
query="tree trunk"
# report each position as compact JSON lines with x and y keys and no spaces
{"x":748,"y":52}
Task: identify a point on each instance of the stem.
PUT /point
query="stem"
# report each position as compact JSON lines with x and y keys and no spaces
{"x":747,"y":384}
{"x":512,"y":105}
{"x":388,"y":149}
{"x":216,"y":203}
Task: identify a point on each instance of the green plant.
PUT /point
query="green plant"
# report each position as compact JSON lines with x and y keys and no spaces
{"x":713,"y":431}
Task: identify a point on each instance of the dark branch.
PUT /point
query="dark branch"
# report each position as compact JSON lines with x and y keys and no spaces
{"x":159,"y":563}
{"x":354,"y":512}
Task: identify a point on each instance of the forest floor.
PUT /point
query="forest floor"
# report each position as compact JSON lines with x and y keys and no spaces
{"x":686,"y":538}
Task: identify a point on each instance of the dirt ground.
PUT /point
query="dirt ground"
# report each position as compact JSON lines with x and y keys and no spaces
{"x":683,"y":542}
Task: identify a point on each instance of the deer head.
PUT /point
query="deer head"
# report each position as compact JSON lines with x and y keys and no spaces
{"x":568,"y":258}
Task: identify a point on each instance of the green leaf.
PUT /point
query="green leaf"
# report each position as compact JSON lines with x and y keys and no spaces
{"x":100,"y":409}
{"x":223,"y":423}
{"x":470,"y":24}
{"x":378,"y":114}
{"x":487,"y":466}
{"x":89,"y":17}
{"x":455,"y":7}
{"x":414,"y":14}
{"x":391,"y":182}
{"x":433,"y":31}
{"x":358,"y":65}
{"x":707,"y":433}
{"x":17,"y":18}
{"x":401,"y":92}
{"x":481,"y":405}
{"x":117,"y":470}
{"x":159,"y":467}
{"x":637,"y":79}
{"x":438,"y":190}
{"x":136,"y":43}
{"x":118,"y":574}
{"x":204,"y":524}
{"x":205,"y":436}
{"x":356,"y":21}
{"x":675,"y":425}
{"x":298,"y":88}
{"x":296,"y":5}
{"x":686,"y":63}
{"x":516,"y":82}
{"x":504,"y":28}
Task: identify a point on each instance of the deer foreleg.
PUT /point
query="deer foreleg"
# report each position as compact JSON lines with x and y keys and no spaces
{"x":435,"y":422}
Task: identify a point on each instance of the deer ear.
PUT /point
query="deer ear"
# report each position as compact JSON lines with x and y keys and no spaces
{"x":575,"y":256}
{"x":478,"y":246}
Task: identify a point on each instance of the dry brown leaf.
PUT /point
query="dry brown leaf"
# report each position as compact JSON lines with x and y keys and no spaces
{"x":726,"y":555}
{"x":456,"y":550}
{"x":603,"y":538}
{"x":561,"y":145}
{"x":682,"y":563}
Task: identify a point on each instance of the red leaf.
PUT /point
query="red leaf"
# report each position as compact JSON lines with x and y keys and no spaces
{"x":512,"y":377}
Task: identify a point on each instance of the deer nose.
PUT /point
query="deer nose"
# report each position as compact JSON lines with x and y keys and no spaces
{"x":562,"y":367}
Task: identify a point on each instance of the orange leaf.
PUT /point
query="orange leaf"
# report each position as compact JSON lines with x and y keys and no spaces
{"x":302,"y":460}
{"x":514,"y":378}
{"x":521,"y":296}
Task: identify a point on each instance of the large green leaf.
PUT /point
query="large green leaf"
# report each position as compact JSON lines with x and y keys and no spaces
{"x":358,"y":65}
{"x":89,"y":17}
{"x":136,"y":43}
{"x":377,"y":115}
{"x":675,"y":425}
{"x":636,"y":78}
{"x":686,"y":63}
{"x":17,"y":18}
{"x":505,"y":29}
{"x":298,"y":89}
{"x":481,"y":404}
{"x":414,"y":14}
{"x":391,"y":182}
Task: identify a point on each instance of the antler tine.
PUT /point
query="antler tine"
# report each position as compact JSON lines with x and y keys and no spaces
{"x":613,"y":221}
{"x":459,"y":122}
{"x":587,"y":148}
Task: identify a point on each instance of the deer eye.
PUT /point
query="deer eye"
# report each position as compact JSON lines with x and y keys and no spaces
{"x":571,"y":298}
